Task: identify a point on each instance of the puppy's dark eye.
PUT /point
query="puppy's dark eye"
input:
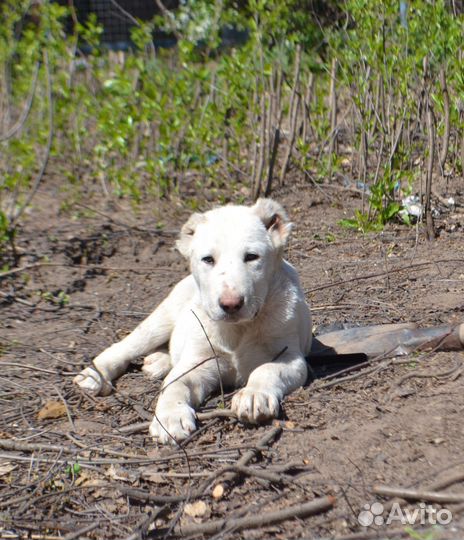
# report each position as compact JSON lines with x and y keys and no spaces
{"x":250,"y":257}
{"x":208,"y":260}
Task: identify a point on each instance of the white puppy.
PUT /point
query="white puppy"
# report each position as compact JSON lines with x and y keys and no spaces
{"x":240,"y":317}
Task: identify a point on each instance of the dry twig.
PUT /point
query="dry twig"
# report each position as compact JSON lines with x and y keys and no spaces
{"x":301,"y":511}
{"x":446,"y":106}
{"x":40,"y":174}
{"x":418,"y":495}
{"x":383,"y":273}
{"x":230,"y":472}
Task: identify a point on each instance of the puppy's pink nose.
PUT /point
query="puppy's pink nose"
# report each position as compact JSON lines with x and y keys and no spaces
{"x":231,"y":302}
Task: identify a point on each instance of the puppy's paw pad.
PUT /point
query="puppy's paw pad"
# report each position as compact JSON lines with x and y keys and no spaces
{"x":91,"y":381}
{"x":174,"y":425}
{"x":157,"y":365}
{"x":253,"y":406}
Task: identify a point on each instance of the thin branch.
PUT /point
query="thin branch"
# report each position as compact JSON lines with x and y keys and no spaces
{"x":300,"y":511}
{"x":267,"y":439}
{"x":18,"y":270}
{"x":272,"y":161}
{"x":201,"y":416}
{"x":80,"y":532}
{"x":142,"y":527}
{"x":48,"y":147}
{"x":170,"y":19}
{"x":333,"y":109}
{"x":216,"y":358}
{"x":292,"y":114}
{"x":418,"y":495}
{"x":429,"y":174}
{"x":430,"y":231}
{"x":27,"y":109}
{"x":142,"y":495}
{"x":68,"y":412}
{"x":446,"y":106}
{"x":382,"y":274}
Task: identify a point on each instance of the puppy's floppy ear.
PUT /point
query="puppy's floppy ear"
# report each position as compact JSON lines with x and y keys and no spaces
{"x":187,"y":232}
{"x":275,"y":219}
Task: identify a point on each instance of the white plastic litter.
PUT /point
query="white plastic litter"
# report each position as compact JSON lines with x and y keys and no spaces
{"x":412,"y":207}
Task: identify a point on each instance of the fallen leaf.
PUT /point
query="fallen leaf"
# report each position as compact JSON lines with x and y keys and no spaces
{"x":155,"y":478}
{"x":103,"y":493}
{"x":153,"y":474}
{"x":6,"y":468}
{"x":86,"y":478}
{"x":51,"y":409}
{"x":119,"y":473}
{"x":197,"y":509}
{"x":108,"y":504}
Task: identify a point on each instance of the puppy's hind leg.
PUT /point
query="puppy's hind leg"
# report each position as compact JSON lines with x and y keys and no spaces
{"x":157,"y":365}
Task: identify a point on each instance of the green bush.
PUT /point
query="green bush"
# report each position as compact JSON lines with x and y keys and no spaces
{"x":143,"y":122}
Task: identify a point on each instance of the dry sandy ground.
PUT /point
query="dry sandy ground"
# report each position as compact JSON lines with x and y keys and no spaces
{"x":68,"y":471}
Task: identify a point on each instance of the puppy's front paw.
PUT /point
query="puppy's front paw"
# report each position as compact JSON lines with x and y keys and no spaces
{"x":173,"y":425}
{"x":253,"y":406}
{"x":91,"y":381}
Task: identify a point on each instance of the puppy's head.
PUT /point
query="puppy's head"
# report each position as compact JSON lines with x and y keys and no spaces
{"x":234,"y":252}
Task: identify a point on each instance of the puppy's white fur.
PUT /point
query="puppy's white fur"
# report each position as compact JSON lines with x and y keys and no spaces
{"x":243,"y":300}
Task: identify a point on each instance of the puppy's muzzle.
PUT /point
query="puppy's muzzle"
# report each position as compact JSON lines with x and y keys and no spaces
{"x":231,"y":303}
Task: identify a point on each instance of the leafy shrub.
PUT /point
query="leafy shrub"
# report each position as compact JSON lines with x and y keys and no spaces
{"x":150,"y":121}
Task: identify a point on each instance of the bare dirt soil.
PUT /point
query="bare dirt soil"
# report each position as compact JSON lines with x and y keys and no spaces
{"x":78,"y":466}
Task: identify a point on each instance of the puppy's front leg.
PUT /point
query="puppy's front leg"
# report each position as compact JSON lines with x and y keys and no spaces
{"x":267,"y":385}
{"x":152,"y":333}
{"x":184,"y":389}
